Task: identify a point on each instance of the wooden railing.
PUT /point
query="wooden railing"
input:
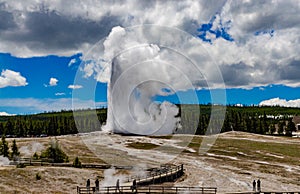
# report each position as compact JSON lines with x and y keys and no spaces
{"x":47,"y":162}
{"x":164,"y":174}
{"x":148,"y":189}
{"x":267,"y":192}
{"x":171,"y":190}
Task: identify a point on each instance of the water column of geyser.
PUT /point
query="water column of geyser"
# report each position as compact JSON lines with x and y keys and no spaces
{"x":134,"y":83}
{"x":143,"y":62}
{"x":138,"y":74}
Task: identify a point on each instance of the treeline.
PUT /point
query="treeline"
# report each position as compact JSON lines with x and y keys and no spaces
{"x":195,"y":119}
{"x":253,"y":119}
{"x":52,"y":124}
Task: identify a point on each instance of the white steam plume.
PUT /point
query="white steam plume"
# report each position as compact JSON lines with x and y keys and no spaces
{"x":30,"y":149}
{"x":4,"y":161}
{"x":111,"y":177}
{"x":141,"y":63}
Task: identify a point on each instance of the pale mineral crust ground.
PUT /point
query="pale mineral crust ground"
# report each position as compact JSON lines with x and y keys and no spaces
{"x":234,"y":160}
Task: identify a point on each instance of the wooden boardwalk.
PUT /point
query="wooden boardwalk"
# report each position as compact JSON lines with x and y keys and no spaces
{"x":169,"y":173}
{"x":164,"y":175}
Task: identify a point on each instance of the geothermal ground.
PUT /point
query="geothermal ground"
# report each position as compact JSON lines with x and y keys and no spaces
{"x":234,"y":160}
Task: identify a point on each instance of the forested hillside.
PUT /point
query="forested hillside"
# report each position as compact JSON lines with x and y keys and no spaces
{"x":253,"y":119}
{"x":51,"y":124}
{"x":262,"y":120}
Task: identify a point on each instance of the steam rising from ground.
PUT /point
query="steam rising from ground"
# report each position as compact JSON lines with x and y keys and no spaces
{"x":29,"y":150}
{"x":4,"y":161}
{"x":111,"y":177}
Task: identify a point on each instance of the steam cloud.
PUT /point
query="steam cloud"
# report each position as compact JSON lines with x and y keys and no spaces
{"x":4,"y":161}
{"x":142,"y":63}
{"x":29,"y":150}
{"x":111,"y":177}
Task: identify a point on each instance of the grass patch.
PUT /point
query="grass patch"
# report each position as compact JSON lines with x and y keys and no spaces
{"x":195,"y":146}
{"x":250,"y":150}
{"x":91,"y":160}
{"x":144,"y":146}
{"x":258,"y":150}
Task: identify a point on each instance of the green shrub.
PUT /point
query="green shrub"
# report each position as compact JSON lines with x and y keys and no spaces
{"x":77,"y":163}
{"x":35,"y":156}
{"x":21,"y":165}
{"x":38,"y":176}
{"x":54,"y":153}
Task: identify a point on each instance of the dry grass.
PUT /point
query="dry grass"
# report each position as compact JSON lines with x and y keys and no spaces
{"x":53,"y":179}
{"x":140,"y":145}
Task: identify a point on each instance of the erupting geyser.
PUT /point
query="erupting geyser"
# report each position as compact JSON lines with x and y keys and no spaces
{"x":144,"y":62}
{"x":139,"y":72}
{"x":136,"y":78}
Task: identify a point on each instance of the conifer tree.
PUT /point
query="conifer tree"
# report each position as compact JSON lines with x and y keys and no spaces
{"x":4,"y":149}
{"x":281,"y":126}
{"x":272,"y":129}
{"x":55,"y":153}
{"x":77,"y":163}
{"x":15,"y":151}
{"x":290,"y":128}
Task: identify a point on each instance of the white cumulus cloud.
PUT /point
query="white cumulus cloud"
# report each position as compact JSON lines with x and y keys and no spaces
{"x":53,"y":81}
{"x":34,"y":105}
{"x":72,"y":61}
{"x":11,"y":78}
{"x":74,"y":87}
{"x":280,"y":102}
{"x":6,"y":114}
{"x":60,"y":94}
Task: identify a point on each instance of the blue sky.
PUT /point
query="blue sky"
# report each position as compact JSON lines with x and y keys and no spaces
{"x":39,"y":93}
{"x":44,"y":43}
{"x":39,"y":70}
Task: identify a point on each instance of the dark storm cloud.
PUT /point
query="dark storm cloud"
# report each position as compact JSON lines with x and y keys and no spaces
{"x":190,"y":27}
{"x":263,"y":14}
{"x":236,"y":74}
{"x":6,"y":19}
{"x":291,"y":71}
{"x":262,"y":23}
{"x":200,"y":83}
{"x":52,"y":30}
